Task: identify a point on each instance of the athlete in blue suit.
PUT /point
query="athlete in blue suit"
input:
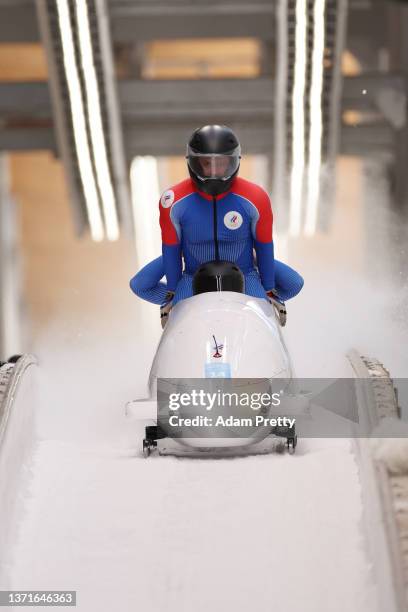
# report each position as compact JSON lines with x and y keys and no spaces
{"x":215,"y":215}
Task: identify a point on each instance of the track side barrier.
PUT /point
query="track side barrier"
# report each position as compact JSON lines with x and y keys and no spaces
{"x":377,"y":403}
{"x":17,"y":437}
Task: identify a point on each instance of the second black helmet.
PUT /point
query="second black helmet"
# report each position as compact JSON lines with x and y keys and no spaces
{"x":213,"y":158}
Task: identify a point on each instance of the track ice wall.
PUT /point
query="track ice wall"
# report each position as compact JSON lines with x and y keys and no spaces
{"x":17,"y":439}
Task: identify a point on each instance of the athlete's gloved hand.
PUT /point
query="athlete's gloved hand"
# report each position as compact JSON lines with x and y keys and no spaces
{"x":165,"y":308}
{"x":279,"y":306}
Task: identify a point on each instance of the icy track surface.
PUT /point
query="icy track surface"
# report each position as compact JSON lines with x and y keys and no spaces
{"x":271,"y":532}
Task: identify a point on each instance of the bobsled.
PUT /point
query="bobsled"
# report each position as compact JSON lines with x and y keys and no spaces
{"x":219,"y":337}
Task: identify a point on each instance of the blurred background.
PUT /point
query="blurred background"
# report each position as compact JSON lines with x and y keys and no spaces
{"x":97,"y":101}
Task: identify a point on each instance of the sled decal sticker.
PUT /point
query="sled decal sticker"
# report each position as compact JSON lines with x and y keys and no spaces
{"x":217,"y":370}
{"x":217,"y":348}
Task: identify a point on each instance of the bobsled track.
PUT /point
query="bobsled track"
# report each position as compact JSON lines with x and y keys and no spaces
{"x":325,"y":529}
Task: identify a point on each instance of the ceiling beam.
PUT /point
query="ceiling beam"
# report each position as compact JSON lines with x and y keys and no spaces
{"x":165,"y":139}
{"x":361,"y":92}
{"x":366,"y":140}
{"x":158,"y":116}
{"x":142,"y":20}
{"x":27,"y":99}
{"x":27,"y":139}
{"x":175,"y":100}
{"x":18,"y":22}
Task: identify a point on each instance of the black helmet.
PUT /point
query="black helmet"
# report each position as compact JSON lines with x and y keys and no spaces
{"x":218,"y":276}
{"x":213,"y":158}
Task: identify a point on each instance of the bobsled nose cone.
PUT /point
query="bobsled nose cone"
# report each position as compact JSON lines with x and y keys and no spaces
{"x":143,"y":409}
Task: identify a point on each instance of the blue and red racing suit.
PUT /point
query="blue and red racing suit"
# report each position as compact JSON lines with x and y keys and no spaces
{"x":195,"y":226}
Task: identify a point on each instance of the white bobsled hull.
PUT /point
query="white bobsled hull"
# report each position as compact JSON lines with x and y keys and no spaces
{"x":245,"y":327}
{"x":221,"y":335}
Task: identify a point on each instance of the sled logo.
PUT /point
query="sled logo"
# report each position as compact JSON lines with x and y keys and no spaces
{"x":217,"y":348}
{"x":167,"y":198}
{"x":233,"y":220}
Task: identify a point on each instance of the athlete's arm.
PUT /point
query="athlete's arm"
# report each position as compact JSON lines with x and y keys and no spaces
{"x":263,"y":240}
{"x":171,"y":245}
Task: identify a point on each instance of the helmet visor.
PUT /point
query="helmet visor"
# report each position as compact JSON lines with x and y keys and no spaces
{"x":213,"y":166}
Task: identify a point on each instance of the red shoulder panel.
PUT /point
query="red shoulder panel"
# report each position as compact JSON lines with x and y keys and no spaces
{"x":167,"y":201}
{"x":260,"y":199}
{"x":183,"y":188}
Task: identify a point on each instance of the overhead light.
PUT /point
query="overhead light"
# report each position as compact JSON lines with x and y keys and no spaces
{"x":279,"y":172}
{"x":99,"y":149}
{"x":298,"y":120}
{"x":145,"y":188}
{"x":79,"y":123}
{"x":316,"y":119}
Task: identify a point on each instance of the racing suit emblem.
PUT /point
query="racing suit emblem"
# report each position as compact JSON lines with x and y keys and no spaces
{"x":167,"y":198}
{"x":233,"y":220}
